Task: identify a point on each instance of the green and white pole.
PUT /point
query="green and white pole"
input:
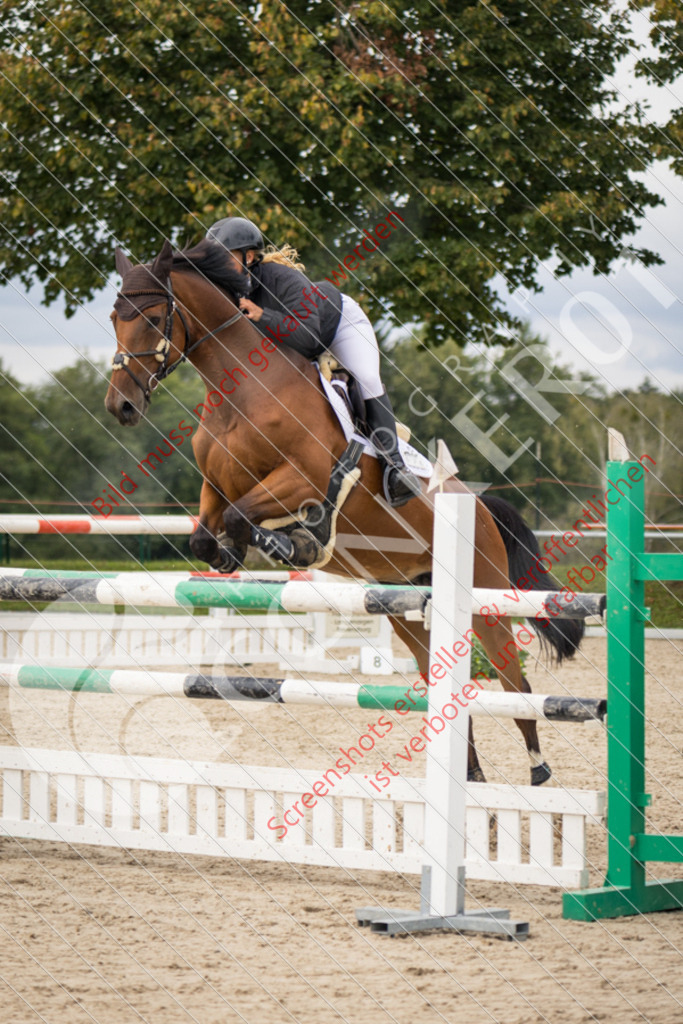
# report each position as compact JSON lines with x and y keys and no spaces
{"x":173,"y":590}
{"x":281,"y":690}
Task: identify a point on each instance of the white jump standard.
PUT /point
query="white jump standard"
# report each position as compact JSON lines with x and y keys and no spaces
{"x":442,"y":902}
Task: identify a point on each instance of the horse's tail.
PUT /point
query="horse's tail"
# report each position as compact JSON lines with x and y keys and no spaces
{"x":560,"y":636}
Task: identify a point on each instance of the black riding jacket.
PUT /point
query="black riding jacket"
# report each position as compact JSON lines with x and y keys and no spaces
{"x":296,"y":312}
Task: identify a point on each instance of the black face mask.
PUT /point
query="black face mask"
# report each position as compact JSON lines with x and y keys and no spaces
{"x":250,"y":279}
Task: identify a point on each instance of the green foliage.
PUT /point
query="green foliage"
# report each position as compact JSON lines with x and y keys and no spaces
{"x":664,"y":601}
{"x":62,"y":450}
{"x":481,"y":663}
{"x":665,"y":67}
{"x":451,"y":386}
{"x":490,"y":128}
{"x":650,"y":421}
{"x":67,"y":448}
{"x":23,"y":439}
{"x":497,"y":391}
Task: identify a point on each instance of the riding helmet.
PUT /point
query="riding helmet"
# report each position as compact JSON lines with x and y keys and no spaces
{"x":236,"y":233}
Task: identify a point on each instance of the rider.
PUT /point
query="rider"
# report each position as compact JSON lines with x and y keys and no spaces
{"x":277,"y":292}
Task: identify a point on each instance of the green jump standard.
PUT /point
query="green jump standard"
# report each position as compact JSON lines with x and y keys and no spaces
{"x":629,"y":887}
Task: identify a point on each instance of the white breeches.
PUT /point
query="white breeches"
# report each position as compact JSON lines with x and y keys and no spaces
{"x":355,"y":347}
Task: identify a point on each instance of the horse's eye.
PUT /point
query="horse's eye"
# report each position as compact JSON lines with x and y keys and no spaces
{"x":155,"y":321}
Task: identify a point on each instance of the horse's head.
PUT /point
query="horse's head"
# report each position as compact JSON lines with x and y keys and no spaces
{"x":150,"y":337}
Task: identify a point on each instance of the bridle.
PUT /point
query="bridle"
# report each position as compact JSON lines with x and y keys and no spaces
{"x":121,"y":360}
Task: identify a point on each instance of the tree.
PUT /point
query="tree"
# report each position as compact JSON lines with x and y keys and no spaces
{"x":62,"y":451}
{"x":666,"y":66}
{"x":650,"y":422}
{"x":24,"y":446}
{"x":486,"y":407}
{"x":61,"y":445}
{"x":438,"y":394}
{"x":488,"y":129}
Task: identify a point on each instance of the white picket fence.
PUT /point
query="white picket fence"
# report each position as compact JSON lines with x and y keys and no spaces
{"x":107,"y":640}
{"x":190,"y":807}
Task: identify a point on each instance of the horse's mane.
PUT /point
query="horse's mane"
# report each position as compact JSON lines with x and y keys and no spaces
{"x":210,"y":260}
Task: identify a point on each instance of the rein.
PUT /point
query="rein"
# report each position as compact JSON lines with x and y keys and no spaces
{"x":161,"y":353}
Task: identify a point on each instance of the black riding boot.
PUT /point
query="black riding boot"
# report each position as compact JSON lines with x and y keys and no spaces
{"x":400,"y":485}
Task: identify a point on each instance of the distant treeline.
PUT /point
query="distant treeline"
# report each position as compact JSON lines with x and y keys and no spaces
{"x":464,"y":396}
{"x":62,"y":452}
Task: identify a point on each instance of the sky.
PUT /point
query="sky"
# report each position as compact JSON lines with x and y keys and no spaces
{"x":621,"y":327}
{"x":628,"y":325}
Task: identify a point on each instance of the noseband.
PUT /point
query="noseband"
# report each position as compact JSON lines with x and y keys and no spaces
{"x":140,"y":300}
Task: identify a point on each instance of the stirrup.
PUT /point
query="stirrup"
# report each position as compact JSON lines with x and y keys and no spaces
{"x":400,"y":485}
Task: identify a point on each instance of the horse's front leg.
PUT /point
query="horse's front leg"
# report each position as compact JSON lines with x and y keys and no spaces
{"x":205,"y":541}
{"x":282,"y":495}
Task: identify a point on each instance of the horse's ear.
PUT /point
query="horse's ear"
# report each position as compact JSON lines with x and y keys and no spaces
{"x":161,"y":267}
{"x":123,"y":264}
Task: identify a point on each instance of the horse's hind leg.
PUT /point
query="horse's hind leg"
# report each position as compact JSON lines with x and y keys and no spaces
{"x":491,"y":570}
{"x":416,"y":638}
{"x":498,"y":642}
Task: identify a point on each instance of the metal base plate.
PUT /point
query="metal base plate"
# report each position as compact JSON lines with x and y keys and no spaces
{"x":486,"y":921}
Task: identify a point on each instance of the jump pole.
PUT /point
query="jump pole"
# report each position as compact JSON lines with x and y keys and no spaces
{"x":160,"y":526}
{"x":177,"y":590}
{"x":274,"y":690}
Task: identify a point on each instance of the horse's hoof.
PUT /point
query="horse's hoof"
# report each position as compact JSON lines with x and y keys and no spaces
{"x":540,"y":774}
{"x":227,"y":558}
{"x":307,"y":550}
{"x":225,"y":563}
{"x":203,"y":545}
{"x":475,"y":775}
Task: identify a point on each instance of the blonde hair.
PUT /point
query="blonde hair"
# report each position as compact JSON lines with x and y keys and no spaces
{"x":287,"y":255}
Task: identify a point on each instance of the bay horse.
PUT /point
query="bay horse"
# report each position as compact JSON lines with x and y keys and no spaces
{"x":267,"y":442}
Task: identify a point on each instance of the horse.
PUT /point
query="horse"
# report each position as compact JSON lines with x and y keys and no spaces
{"x":267,"y":444}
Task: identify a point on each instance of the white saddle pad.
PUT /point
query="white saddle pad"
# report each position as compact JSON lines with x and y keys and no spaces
{"x":413,"y":460}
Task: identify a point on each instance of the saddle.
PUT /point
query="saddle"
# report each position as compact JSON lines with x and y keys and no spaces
{"x":347,"y":388}
{"x":308,"y":542}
